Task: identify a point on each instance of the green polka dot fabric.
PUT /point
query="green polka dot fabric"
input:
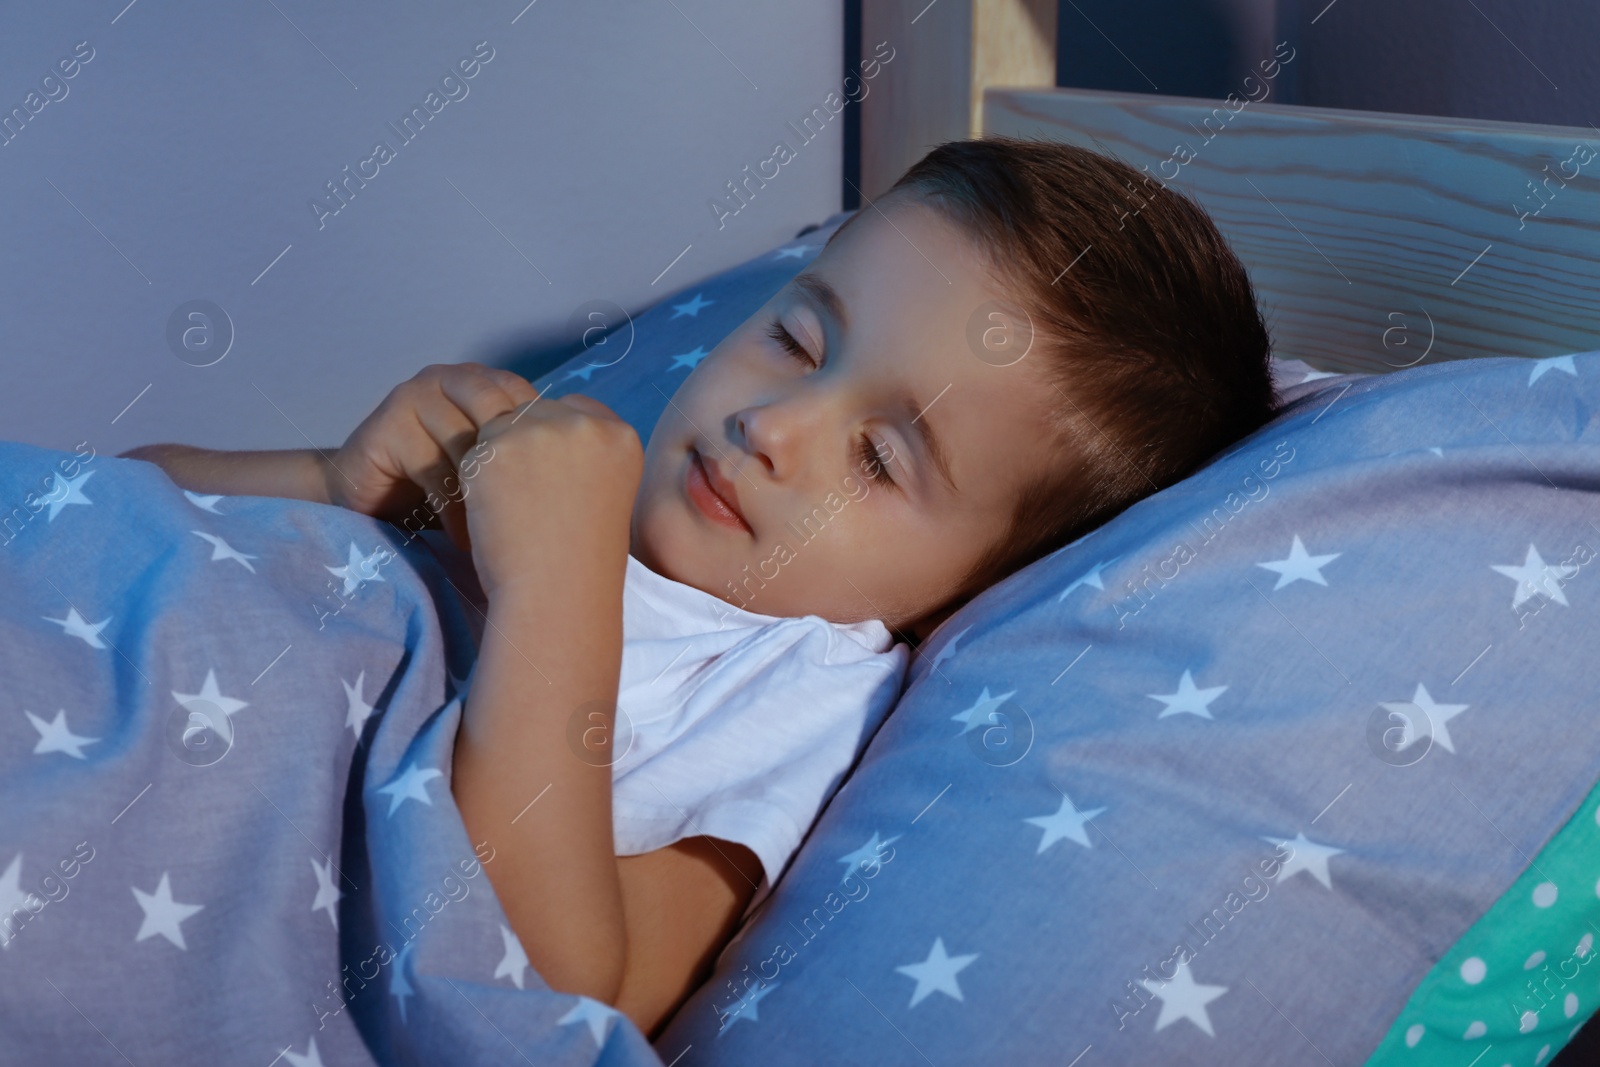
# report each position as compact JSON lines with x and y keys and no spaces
{"x":1520,"y":983}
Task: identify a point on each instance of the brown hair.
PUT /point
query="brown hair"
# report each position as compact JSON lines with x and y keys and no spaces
{"x":1145,"y":320}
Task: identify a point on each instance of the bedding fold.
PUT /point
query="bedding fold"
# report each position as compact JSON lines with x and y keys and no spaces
{"x":226,"y":826}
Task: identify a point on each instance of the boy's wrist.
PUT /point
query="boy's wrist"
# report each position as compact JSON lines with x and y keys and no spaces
{"x":326,"y":479}
{"x":298,"y":474}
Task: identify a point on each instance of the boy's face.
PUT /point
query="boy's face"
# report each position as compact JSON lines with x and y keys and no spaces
{"x":821,"y":532}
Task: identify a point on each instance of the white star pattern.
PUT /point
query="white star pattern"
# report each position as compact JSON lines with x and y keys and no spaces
{"x":409,"y":785}
{"x":74,"y":625}
{"x":590,"y":1011}
{"x":63,"y":492}
{"x":162,"y":914}
{"x":311,"y":1057}
{"x":1184,"y":998}
{"x":692,"y":308}
{"x":1433,"y":720}
{"x":794,"y":252}
{"x":745,"y":1007}
{"x":359,"y":569}
{"x":689,"y":359}
{"x":328,"y":894}
{"x":358,"y":710}
{"x":12,"y":898}
{"x":220,"y":549}
{"x":979,"y":713}
{"x":1308,"y":856}
{"x":55,"y":737}
{"x":1067,"y":822}
{"x":204,"y":503}
{"x":209,"y":700}
{"x":865,"y":857}
{"x":1314,"y":375}
{"x":948,"y":650}
{"x":937,"y":973}
{"x":1542,"y":366}
{"x":1537,"y":578}
{"x":515,"y":960}
{"x":399,"y":984}
{"x":1300,"y":566}
{"x":1188,"y":699}
{"x":1090,"y":577}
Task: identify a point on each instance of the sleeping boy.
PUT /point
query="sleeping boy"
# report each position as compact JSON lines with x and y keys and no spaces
{"x":1011,"y":346}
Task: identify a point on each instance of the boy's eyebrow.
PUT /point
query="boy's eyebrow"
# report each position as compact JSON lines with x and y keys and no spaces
{"x":823,"y":294}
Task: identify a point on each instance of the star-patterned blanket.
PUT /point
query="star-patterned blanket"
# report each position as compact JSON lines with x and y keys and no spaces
{"x":226,"y":827}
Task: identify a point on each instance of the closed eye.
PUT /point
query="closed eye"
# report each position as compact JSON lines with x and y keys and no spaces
{"x":779,"y":333}
{"x":872,"y":459}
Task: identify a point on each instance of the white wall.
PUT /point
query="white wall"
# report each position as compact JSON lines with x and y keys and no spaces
{"x":183,"y":158}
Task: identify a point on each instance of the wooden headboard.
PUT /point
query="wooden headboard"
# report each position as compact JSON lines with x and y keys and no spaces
{"x":1374,"y":240}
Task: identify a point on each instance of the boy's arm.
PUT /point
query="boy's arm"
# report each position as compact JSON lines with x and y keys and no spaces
{"x":299,"y":474}
{"x":532,"y":777}
{"x":532,"y":767}
{"x":538,"y":790}
{"x":683,"y":903}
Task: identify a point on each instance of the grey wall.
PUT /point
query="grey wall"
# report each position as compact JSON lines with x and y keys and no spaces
{"x":1515,"y":60}
{"x":180,"y":165}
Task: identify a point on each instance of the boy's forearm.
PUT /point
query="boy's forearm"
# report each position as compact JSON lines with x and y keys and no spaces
{"x":298,"y":474}
{"x":552,"y":650}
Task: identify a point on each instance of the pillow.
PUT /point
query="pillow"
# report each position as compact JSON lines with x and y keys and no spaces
{"x":1237,"y":773}
{"x":1289,"y":756}
{"x":637,"y":362}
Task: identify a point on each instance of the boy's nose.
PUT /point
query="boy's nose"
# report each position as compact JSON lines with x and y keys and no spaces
{"x":753,"y":434}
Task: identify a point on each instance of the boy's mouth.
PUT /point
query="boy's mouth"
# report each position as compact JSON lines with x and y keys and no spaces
{"x":713,"y":494}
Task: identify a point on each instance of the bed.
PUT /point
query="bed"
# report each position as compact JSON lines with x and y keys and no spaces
{"x":1046,"y":821}
{"x":1291,"y":761}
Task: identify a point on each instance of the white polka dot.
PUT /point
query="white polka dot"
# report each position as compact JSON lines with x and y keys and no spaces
{"x":1477,"y":1029}
{"x":1414,"y":1034}
{"x":1534,"y":960}
{"x":1597,"y":816}
{"x":1540,"y":1057}
{"x":1574,"y":1032}
{"x":1544,"y":894}
{"x":1597,"y":887}
{"x":1473,"y":970}
{"x":1530,"y":1020}
{"x":1571,"y":1005}
{"x":1586,"y":944}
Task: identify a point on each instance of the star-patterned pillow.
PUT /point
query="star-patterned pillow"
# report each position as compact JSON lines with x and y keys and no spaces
{"x":634,"y":363}
{"x":1268,"y":767}
{"x":1276,"y":765}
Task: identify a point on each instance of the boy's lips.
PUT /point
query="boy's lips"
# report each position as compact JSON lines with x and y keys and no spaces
{"x":713,"y":494}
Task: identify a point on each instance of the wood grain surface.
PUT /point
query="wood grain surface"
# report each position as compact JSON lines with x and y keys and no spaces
{"x":1375,"y":241}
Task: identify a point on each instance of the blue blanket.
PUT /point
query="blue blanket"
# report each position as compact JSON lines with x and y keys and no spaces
{"x":226,"y":827}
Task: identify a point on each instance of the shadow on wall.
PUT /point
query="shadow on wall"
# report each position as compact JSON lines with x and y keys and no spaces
{"x":1489,"y":59}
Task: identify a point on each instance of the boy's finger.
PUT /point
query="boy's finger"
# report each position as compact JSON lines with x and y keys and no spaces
{"x":516,"y":386}
{"x":482,"y":393}
{"x":589,"y":406}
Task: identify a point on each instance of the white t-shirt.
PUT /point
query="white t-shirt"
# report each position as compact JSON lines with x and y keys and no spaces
{"x":743,"y":725}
